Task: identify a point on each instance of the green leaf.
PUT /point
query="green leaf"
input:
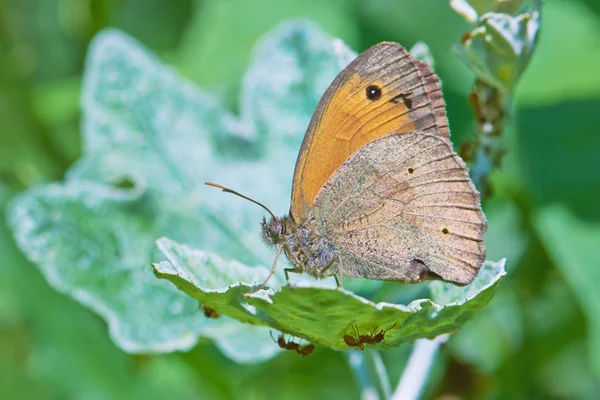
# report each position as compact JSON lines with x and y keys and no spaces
{"x":496,"y":334}
{"x":567,"y":375}
{"x":321,"y":315}
{"x":471,"y":9}
{"x":572,"y":244}
{"x":52,"y":347}
{"x":92,"y":241}
{"x":492,"y":336}
{"x":108,"y":234}
{"x":500,"y":47}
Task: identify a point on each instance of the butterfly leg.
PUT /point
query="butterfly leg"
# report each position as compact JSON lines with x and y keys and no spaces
{"x":324,"y":269}
{"x":340,"y":283}
{"x":295,"y":270}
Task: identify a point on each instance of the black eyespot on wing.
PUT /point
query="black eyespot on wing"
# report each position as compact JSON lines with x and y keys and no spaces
{"x":373,"y":92}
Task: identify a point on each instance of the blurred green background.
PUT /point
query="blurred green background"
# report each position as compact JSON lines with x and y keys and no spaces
{"x":538,"y":339}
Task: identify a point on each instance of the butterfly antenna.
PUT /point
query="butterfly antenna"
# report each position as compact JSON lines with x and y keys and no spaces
{"x":227,"y":190}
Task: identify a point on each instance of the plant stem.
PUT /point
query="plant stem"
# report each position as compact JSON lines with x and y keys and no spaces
{"x":356,"y":360}
{"x":415,"y":375}
{"x":491,"y":107}
{"x":498,"y":50}
{"x":381,"y":373}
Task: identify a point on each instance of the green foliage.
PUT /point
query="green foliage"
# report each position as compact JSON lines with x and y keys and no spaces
{"x":572,"y":244}
{"x":557,"y":76}
{"x":107,"y":235}
{"x":500,"y":47}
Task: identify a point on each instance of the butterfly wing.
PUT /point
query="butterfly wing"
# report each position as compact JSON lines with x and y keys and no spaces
{"x":403,"y":208}
{"x":409,"y":99}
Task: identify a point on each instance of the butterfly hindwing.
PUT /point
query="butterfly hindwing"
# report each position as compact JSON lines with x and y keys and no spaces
{"x":403,"y":208}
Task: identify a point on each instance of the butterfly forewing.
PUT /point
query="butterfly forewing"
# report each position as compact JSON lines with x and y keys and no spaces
{"x":403,"y":208}
{"x":383,"y":90}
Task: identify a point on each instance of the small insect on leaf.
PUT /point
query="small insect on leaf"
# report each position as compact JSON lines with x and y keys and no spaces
{"x":360,"y":340}
{"x":291,"y":345}
{"x":306,"y":350}
{"x":353,"y":342}
{"x":209,"y":312}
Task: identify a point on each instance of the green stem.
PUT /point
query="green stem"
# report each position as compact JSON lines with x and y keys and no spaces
{"x":413,"y":380}
{"x":358,"y":365}
{"x":491,"y":107}
{"x":378,"y":368}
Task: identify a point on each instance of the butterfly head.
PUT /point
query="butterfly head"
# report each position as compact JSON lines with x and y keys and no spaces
{"x":274,"y":230}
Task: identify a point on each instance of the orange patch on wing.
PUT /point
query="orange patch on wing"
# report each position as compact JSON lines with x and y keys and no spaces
{"x":349,"y":121}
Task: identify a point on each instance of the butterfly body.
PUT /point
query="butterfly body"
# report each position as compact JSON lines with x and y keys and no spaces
{"x":308,"y":249}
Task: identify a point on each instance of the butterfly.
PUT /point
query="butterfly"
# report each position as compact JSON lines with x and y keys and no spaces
{"x":378,"y":191}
